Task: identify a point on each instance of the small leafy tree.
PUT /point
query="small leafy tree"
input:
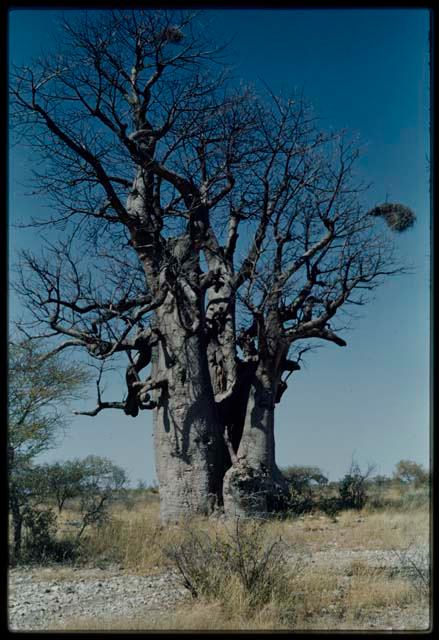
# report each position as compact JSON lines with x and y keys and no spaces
{"x":26,"y":491}
{"x":63,"y":481}
{"x":39,"y":386}
{"x":301,"y":481}
{"x":102,"y":481}
{"x":95,"y":481}
{"x":410,"y":472}
{"x":302,"y":478}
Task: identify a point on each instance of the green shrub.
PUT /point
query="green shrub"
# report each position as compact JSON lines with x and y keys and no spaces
{"x":40,"y":527}
{"x":352,"y":488}
{"x":330,"y":505}
{"x":40,"y":542}
{"x":352,"y":492}
{"x":305,"y":485}
{"x":302,"y":479}
{"x":300,"y":503}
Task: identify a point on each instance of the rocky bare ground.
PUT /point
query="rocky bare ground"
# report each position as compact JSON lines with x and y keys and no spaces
{"x":42,"y":598}
{"x":36,"y":602}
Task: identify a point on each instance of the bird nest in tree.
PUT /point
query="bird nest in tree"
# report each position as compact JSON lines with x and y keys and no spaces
{"x":173,"y":34}
{"x":397,"y":216}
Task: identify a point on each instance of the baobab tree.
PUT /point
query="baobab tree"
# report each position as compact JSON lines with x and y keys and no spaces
{"x":206,"y":235}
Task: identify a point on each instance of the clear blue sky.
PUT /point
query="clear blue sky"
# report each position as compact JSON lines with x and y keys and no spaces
{"x":367,"y":70}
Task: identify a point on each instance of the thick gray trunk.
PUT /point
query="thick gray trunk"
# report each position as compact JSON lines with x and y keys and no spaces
{"x":254,"y":486}
{"x":220,"y":323}
{"x":257,"y":442}
{"x":188,"y":446}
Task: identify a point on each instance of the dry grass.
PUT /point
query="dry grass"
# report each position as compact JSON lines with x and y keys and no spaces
{"x":130,"y":538}
{"x":357,"y":531}
{"x":378,"y":592}
{"x":135,"y":538}
{"x":356,"y":596}
{"x":384,"y":530}
{"x":317,"y":601}
{"x":200,"y":616}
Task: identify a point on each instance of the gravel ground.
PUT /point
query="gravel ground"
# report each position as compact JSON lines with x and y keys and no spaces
{"x":40,"y":598}
{"x":36,"y":602}
{"x":404,"y":562}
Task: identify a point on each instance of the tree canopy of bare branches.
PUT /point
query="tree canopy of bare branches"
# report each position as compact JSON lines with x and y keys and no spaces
{"x":205,"y":234}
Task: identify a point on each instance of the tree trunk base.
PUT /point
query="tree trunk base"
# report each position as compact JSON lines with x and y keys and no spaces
{"x":190,"y":498}
{"x":254,"y":493}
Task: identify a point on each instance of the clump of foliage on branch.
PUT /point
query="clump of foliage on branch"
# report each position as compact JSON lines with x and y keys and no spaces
{"x":209,"y":234}
{"x":397,"y":216}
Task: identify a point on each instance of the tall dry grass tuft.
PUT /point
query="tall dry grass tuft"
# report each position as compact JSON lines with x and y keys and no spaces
{"x":133,"y":538}
{"x":236,"y":563}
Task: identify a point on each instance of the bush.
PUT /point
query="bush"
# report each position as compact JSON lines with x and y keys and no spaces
{"x":352,"y":487}
{"x":330,"y":505}
{"x":352,"y":492}
{"x":304,"y":485}
{"x":40,"y":542}
{"x":310,"y":490}
{"x":94,"y":482}
{"x":302,"y":478}
{"x":379,"y":502}
{"x":210,"y":563}
{"x":415,"y":566}
{"x":41,"y":528}
{"x":300,"y":503}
